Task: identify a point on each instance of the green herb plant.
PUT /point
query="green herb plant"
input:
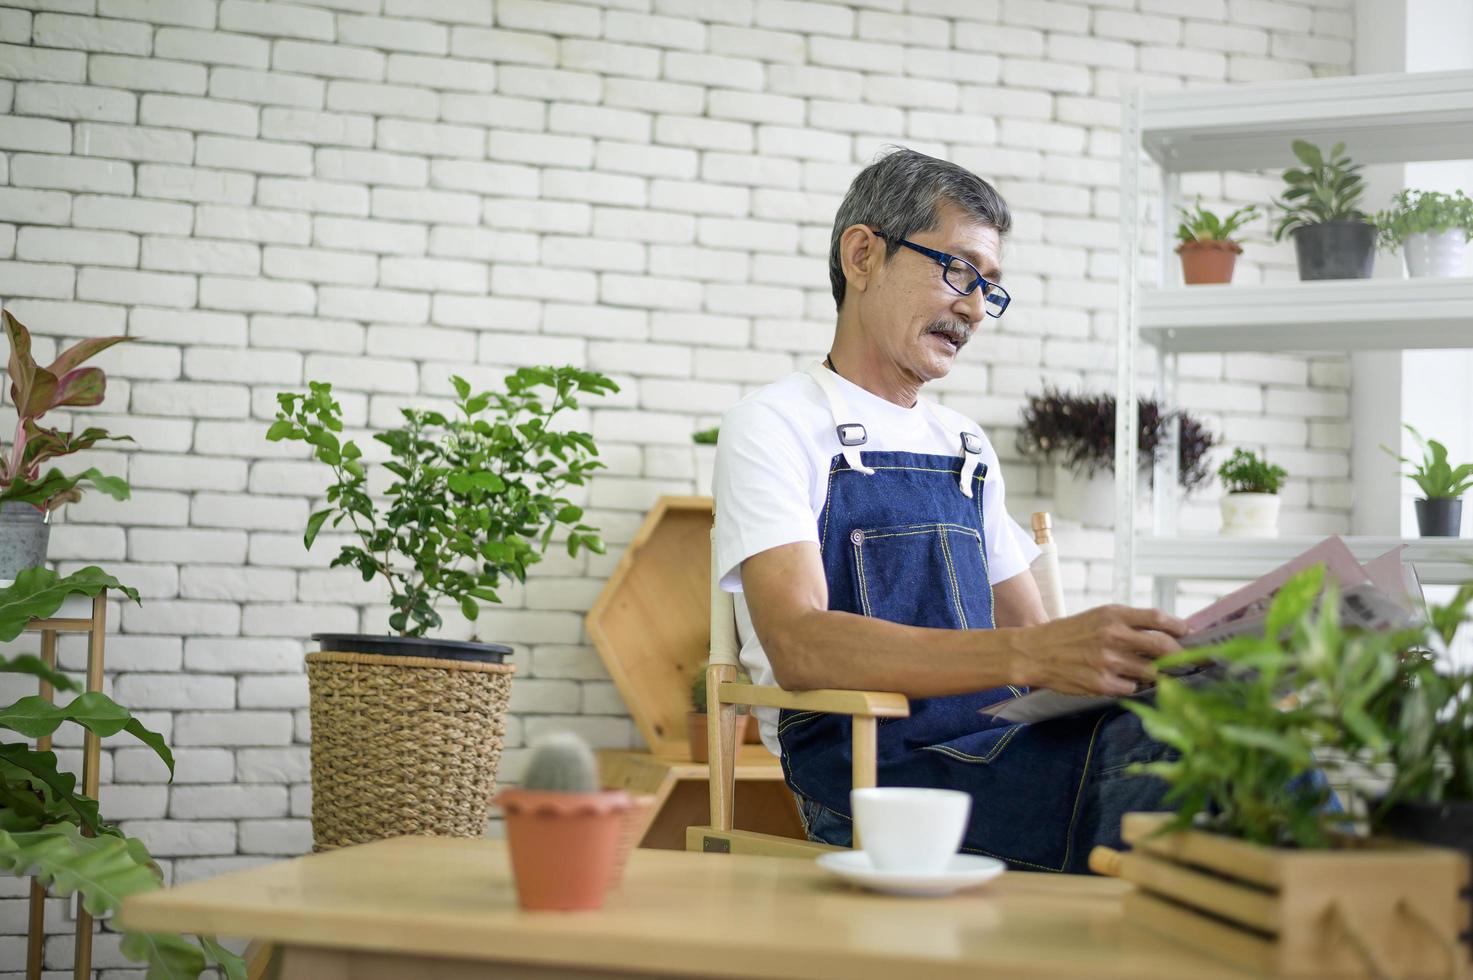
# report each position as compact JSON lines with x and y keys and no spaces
{"x":705,"y":437}
{"x":1414,"y":212}
{"x":1247,"y":756}
{"x":1326,"y":188}
{"x":34,"y":391}
{"x":1246,"y":472}
{"x":51,"y":830}
{"x":1202,"y":225}
{"x":476,"y":493}
{"x":1436,"y":478}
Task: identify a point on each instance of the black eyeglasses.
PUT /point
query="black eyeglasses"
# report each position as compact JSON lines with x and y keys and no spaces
{"x":962,"y":276}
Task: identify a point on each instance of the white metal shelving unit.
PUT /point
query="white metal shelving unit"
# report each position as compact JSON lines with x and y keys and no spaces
{"x":1381,"y":119}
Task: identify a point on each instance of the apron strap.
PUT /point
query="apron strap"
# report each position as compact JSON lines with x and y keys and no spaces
{"x":851,"y":435}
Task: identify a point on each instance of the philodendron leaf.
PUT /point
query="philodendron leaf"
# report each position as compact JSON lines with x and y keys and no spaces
{"x":36,"y":593}
{"x":35,"y":717}
{"x":28,"y":663}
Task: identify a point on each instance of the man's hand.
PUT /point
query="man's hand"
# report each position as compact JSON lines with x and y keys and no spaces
{"x":1106,"y":650}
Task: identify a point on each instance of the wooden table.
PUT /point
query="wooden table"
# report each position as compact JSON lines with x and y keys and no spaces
{"x":436,"y":909}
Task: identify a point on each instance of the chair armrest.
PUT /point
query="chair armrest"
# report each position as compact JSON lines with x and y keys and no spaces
{"x":876,"y":704}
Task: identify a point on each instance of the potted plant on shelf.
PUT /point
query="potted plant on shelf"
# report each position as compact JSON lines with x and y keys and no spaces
{"x":705,"y":453}
{"x":1250,"y":508}
{"x":695,"y":719}
{"x":562,"y":830}
{"x":1207,"y":248}
{"x":1076,"y":432}
{"x":406,"y":730}
{"x":1333,"y":237}
{"x":1440,"y":508}
{"x":1431,"y":229}
{"x":27,"y":498}
{"x":1257,"y":861}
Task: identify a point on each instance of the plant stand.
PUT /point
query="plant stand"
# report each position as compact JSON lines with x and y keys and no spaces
{"x":95,"y":626}
{"x":1379,"y":910}
{"x":682,"y":794}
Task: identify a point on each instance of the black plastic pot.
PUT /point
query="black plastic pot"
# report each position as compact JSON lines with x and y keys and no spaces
{"x":1439,"y":517}
{"x":1447,"y":824}
{"x":1335,"y":249}
{"x":412,"y":646}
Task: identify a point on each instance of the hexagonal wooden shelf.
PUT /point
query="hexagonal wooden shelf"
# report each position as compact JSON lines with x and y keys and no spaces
{"x":651,"y":623}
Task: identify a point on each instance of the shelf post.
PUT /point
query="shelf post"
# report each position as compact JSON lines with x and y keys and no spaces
{"x":1126,"y":328}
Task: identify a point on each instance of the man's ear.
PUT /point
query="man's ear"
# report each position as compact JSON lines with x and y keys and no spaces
{"x":861,"y":253}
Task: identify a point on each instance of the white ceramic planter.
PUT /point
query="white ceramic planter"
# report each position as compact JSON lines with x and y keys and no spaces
{"x":705,"y":465}
{"x":1435,"y":254}
{"x":1250,"y":515}
{"x":1091,"y":502}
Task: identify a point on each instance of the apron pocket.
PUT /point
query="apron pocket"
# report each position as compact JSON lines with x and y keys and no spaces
{"x":929,"y":575}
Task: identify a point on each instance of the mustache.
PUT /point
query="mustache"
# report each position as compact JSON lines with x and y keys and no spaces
{"x":954,"y":330}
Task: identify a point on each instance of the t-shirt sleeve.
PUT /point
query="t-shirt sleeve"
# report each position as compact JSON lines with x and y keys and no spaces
{"x":1010,"y":549}
{"x":762,"y":485}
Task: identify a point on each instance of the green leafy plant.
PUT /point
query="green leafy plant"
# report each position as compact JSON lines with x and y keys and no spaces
{"x":1436,"y":478}
{"x":1202,"y":225}
{"x":476,"y":494}
{"x":34,"y":391}
{"x":48,"y":827}
{"x":1327,"y":188}
{"x":1414,"y":212}
{"x":705,"y":437}
{"x":1246,"y":472}
{"x":1427,"y":714}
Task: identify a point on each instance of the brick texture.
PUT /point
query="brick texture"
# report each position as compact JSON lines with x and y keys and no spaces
{"x":269,"y":193}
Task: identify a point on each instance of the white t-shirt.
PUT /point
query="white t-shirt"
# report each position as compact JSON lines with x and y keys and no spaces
{"x":771,"y":478}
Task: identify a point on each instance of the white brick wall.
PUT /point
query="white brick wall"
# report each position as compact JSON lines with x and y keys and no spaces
{"x":375,"y":191}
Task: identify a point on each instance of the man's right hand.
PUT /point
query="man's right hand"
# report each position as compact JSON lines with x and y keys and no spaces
{"x":1106,"y":650}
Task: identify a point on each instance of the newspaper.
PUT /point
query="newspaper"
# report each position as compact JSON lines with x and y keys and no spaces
{"x":1381,"y":595}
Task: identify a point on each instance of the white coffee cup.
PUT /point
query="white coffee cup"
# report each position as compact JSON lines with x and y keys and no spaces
{"x":910,"y":829}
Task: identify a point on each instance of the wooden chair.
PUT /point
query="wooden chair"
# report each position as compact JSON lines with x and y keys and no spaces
{"x":865,"y":708}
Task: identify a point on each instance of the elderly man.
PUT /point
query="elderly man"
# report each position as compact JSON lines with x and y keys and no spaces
{"x":864,"y":530}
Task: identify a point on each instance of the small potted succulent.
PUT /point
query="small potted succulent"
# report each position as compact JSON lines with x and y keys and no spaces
{"x":1076,"y":432}
{"x":1431,"y":229}
{"x":562,"y":830}
{"x":1333,"y":237}
{"x":1440,"y":508}
{"x":27,"y":498}
{"x":695,"y":719}
{"x":1206,"y":246}
{"x":705,"y":458}
{"x":1250,"y":508}
{"x":473,"y":499}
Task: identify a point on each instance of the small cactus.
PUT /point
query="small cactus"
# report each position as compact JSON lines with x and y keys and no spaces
{"x":562,"y":763}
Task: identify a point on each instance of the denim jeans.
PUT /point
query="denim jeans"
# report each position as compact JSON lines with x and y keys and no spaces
{"x":1109,"y":794}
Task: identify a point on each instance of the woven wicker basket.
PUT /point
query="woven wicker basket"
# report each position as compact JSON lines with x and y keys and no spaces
{"x":403,"y":745}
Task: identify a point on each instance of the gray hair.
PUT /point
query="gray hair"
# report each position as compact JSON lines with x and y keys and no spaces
{"x":901,"y":193}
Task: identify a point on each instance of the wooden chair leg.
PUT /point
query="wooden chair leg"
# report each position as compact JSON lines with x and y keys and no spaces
{"x":864,"y":758}
{"x":721,"y":746}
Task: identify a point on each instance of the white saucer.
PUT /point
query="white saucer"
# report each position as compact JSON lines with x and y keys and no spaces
{"x":964,"y":871}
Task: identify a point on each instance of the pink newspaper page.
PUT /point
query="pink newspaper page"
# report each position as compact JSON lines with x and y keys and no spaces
{"x":1339,"y":563}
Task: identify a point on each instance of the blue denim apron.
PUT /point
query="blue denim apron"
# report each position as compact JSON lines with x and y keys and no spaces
{"x":905,"y":543}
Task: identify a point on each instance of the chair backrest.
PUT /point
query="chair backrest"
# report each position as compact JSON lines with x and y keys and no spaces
{"x":725,"y":646}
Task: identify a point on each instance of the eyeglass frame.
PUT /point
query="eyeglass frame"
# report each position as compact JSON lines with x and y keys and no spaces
{"x":944,"y":259}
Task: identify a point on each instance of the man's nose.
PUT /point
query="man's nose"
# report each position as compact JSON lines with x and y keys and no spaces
{"x":971,"y":307}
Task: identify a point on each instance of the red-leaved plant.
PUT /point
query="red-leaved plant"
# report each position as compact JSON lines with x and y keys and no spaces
{"x":34,"y":391}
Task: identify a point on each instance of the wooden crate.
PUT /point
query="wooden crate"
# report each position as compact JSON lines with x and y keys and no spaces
{"x":652,"y":621}
{"x":1378,"y":908}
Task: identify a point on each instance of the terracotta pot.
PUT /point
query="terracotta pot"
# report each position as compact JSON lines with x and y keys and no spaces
{"x":1204,"y":263}
{"x":562,"y":845}
{"x":695,"y":730}
{"x":631,"y":830}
